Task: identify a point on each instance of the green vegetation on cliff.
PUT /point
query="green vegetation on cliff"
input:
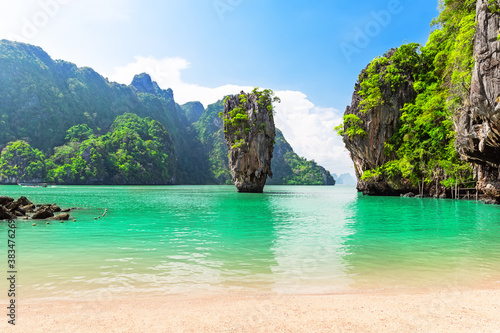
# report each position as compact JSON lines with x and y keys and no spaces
{"x":291,"y":169}
{"x":211,"y":135}
{"x":389,"y":72}
{"x":64,"y":124}
{"x":237,"y":119}
{"x":351,"y":126}
{"x":423,"y":144}
{"x":193,"y":111}
{"x":20,"y":162}
{"x":135,"y":151}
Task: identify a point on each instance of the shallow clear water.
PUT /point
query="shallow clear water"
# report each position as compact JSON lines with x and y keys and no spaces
{"x":177,"y":239}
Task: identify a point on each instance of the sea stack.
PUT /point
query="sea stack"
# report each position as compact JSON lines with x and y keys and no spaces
{"x":249,"y":131}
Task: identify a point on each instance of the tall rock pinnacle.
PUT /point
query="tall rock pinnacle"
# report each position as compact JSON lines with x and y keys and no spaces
{"x":249,"y":131}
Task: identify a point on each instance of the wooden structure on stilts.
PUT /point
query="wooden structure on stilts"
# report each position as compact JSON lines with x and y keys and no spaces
{"x":468,"y":193}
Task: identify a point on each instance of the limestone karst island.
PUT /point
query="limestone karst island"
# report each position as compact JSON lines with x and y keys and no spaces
{"x":426,"y":119}
{"x":250,"y":135}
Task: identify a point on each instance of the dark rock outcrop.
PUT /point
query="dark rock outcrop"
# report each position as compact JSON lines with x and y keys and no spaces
{"x":23,"y":208}
{"x":380,"y":123}
{"x":60,"y":217}
{"x":23,"y":201}
{"x":5,"y":214}
{"x":43,"y":213}
{"x":249,"y":131}
{"x":11,"y":209}
{"x":5,"y":200}
{"x":29,"y":208}
{"x":12,"y":206}
{"x":478,"y":123}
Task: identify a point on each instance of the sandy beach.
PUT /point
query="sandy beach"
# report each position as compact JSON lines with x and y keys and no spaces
{"x":450,"y":310}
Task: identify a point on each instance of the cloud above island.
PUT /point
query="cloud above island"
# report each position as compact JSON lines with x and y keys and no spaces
{"x":307,"y":127}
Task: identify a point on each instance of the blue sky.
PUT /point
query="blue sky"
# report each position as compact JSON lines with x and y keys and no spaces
{"x":310,"y":52}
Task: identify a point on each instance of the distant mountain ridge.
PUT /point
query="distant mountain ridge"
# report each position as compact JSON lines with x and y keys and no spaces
{"x":344,"y":179}
{"x":65,"y":124}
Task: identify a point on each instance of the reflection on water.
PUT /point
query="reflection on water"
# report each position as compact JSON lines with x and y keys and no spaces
{"x":164,"y":240}
{"x":404,"y":242}
{"x":310,"y":228}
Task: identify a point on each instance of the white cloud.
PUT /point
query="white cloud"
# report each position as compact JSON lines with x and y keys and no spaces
{"x":28,"y":20}
{"x":309,"y":130}
{"x":167,"y":73}
{"x":307,"y":127}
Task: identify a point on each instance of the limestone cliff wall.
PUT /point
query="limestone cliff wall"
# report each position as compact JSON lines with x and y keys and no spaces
{"x":379,"y":123}
{"x":478,"y":122}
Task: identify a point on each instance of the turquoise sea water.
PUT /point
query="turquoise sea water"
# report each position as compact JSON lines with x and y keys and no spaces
{"x":187,"y":239}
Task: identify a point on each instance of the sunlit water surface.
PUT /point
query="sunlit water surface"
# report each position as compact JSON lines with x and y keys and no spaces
{"x":185,"y":239}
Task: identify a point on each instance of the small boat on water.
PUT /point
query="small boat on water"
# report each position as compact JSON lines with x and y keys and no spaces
{"x":32,"y":184}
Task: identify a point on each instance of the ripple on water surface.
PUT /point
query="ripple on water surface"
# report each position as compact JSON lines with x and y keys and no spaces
{"x":178,"y":239}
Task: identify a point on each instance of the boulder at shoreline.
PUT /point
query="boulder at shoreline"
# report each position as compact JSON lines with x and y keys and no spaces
{"x":11,"y":209}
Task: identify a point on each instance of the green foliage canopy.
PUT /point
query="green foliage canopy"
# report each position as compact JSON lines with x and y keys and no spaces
{"x":22,"y":162}
{"x":135,"y":151}
{"x":423,"y":146}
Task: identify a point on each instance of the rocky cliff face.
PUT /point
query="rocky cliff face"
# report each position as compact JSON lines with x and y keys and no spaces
{"x":249,"y":131}
{"x":193,"y":111}
{"x":144,"y":84}
{"x":378,"y":125}
{"x":478,"y":123}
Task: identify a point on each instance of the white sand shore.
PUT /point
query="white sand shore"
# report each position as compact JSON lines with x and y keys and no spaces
{"x":429,"y":311}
